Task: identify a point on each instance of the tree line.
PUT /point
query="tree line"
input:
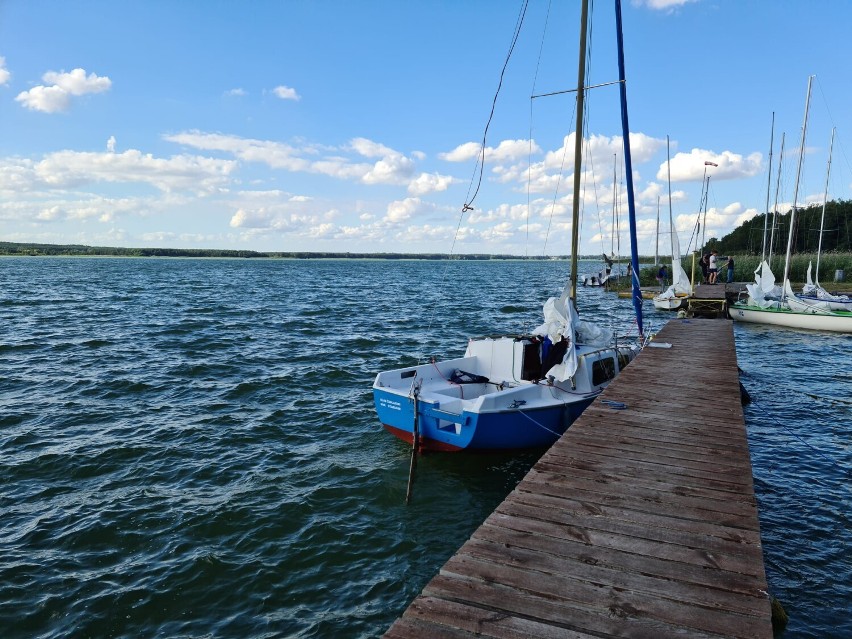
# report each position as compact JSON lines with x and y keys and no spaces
{"x":747,"y":239}
{"x":33,"y":249}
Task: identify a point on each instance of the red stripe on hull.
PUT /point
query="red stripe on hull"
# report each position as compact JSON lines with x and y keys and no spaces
{"x":425,"y":443}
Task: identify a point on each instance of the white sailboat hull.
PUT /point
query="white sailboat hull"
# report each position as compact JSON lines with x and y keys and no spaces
{"x":669,"y":303}
{"x":840,"y":322}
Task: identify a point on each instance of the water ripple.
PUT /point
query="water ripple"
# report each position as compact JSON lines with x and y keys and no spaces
{"x":189,"y":447}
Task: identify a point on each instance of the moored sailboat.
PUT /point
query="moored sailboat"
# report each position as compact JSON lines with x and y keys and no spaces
{"x":517,"y":391}
{"x":768,"y":305}
{"x":676,"y":295}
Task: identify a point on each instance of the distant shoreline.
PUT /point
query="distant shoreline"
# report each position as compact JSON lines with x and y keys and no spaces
{"x":29,"y":249}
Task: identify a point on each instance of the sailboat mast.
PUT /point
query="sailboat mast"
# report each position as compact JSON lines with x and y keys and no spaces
{"x":824,"y":200}
{"x":628,"y":171}
{"x":614,"y":205}
{"x":768,"y":188}
{"x":777,"y":191}
{"x":706,"y":199}
{"x":671,"y":218}
{"x":578,"y":150}
{"x":796,"y":188}
{"x":657,"y":245}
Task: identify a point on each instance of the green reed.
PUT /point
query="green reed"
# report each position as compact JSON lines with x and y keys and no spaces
{"x":745,"y":266}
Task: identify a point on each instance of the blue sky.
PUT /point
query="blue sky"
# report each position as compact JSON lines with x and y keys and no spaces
{"x":354,"y":126}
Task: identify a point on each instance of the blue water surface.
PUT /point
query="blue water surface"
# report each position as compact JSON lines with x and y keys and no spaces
{"x":188,"y":446}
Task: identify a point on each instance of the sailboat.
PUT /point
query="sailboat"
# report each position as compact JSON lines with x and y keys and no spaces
{"x":517,"y":391}
{"x":813,"y":292}
{"x":766,"y":304}
{"x":604,"y":278}
{"x":680,"y":290}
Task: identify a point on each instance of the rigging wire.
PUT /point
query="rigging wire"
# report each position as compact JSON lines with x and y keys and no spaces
{"x":530,"y":137}
{"x":833,"y":123}
{"x":564,"y":139}
{"x":480,"y":164}
{"x":481,"y":161}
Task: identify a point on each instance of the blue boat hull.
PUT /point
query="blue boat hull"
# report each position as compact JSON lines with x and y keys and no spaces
{"x":439,"y":430}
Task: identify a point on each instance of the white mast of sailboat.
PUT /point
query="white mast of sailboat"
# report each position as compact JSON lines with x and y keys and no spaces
{"x":768,"y":188}
{"x":777,"y":191}
{"x":824,"y":200}
{"x":657,"y":245}
{"x":796,"y":188}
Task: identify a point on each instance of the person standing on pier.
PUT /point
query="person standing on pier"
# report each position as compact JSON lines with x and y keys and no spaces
{"x":703,"y":262}
{"x":730,"y":270}
{"x":662,"y":276}
{"x":713,"y":267}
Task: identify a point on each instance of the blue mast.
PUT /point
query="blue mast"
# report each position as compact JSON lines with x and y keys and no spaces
{"x":628,"y":169}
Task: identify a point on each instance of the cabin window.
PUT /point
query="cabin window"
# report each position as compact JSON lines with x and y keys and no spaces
{"x":623,"y":360}
{"x":603,"y":370}
{"x":532,"y":361}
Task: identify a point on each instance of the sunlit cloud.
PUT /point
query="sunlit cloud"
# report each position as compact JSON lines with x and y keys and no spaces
{"x":727,"y":165}
{"x":5,"y":75}
{"x":392,"y":167}
{"x":426,"y":183}
{"x":55,"y":96}
{"x":286,"y":93}
{"x":661,"y":5}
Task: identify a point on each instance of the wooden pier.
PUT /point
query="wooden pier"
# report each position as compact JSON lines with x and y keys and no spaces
{"x":640,"y":521}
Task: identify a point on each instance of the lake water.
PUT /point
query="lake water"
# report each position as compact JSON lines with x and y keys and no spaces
{"x":188,"y":447}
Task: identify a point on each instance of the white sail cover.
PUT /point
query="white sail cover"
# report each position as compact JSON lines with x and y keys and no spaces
{"x":763,"y":287}
{"x":810,"y":288}
{"x":830,"y":301}
{"x":561,"y":320}
{"x":680,"y":285}
{"x":680,"y":280}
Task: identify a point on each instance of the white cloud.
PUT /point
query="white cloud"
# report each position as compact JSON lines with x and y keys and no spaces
{"x":402,"y":210}
{"x":461,"y":153}
{"x":5,"y":76}
{"x":65,"y":169}
{"x":370,"y":149}
{"x":506,"y":150}
{"x":286,"y":93}
{"x":258,"y":218}
{"x":77,"y":82}
{"x":49,"y":214}
{"x":45,"y":99}
{"x":426,"y":183}
{"x":661,"y":5}
{"x":50,"y":208}
{"x":730,"y":166}
{"x":56,"y":95}
{"x":392,"y":168}
{"x":111,"y":144}
{"x":236,"y":93}
{"x":322,"y":231}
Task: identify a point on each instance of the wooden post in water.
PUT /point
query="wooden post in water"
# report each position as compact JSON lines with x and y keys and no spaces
{"x":415,"y":444}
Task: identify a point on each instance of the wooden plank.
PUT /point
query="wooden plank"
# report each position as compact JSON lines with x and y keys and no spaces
{"x":568,"y":569}
{"x":616,"y":619}
{"x":486,"y":623}
{"x":639,"y":522}
{"x":629,"y":562}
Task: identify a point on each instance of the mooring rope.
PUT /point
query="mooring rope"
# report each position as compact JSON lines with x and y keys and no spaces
{"x":449,"y":381}
{"x":552,"y":432}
